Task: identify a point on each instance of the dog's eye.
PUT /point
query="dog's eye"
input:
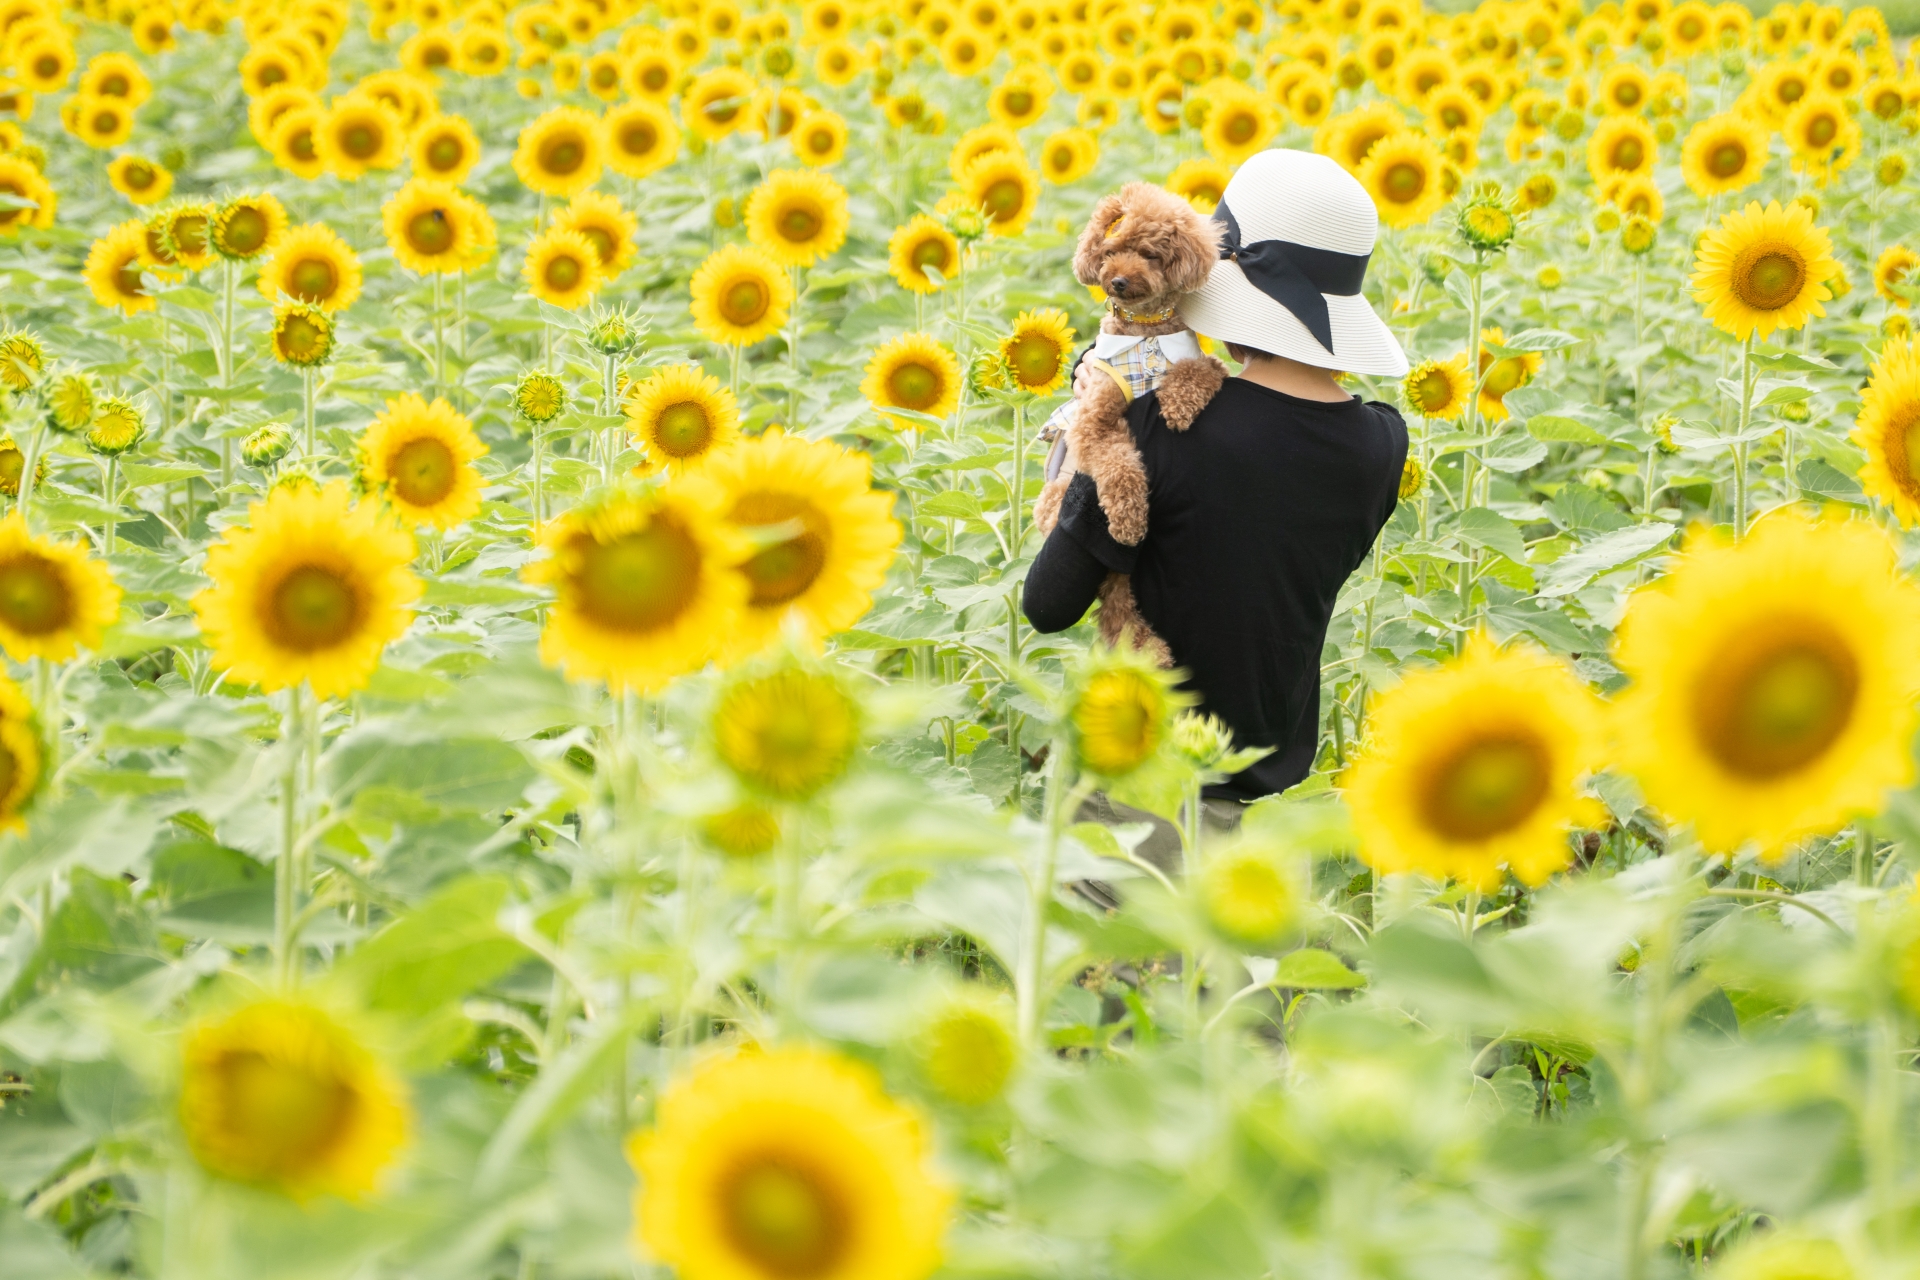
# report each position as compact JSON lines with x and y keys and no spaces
{"x":1149,"y":256}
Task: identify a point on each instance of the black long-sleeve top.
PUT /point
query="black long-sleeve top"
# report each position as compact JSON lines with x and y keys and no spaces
{"x":1257,"y":514}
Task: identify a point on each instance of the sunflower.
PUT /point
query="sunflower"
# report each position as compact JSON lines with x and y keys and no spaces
{"x":562,"y":268}
{"x":1888,"y":429}
{"x":715,"y":102}
{"x":745,"y":830}
{"x":1621,"y":147}
{"x":652,"y":75}
{"x":1039,"y":350}
{"x":421,"y":455}
{"x":1439,"y":388}
{"x":610,"y":229}
{"x":1068,"y":156}
{"x":1624,"y":89}
{"x":1252,"y":896}
{"x":115,"y":75}
{"x":294,"y":142}
{"x":20,"y":761}
{"x":1003,"y":188}
{"x":1638,"y":197}
{"x":1402,"y":174}
{"x":787,"y":733}
{"x":560,"y":153}
{"x":1764,"y":269}
{"x":1455,"y":113}
{"x":1120,"y":711}
{"x":101,"y":123}
{"x":13,"y":467}
{"x":647,"y":584}
{"x":967,"y":1049}
{"x":1786,"y":1255}
{"x":22,"y":358}
{"x":1350,"y":136}
{"x":312,"y":264}
{"x":1473,"y":769}
{"x":359,"y":133}
{"x":20,"y":180}
{"x":70,"y":399}
{"x":1773,"y":682}
{"x":819,"y":138}
{"x":140,"y":180}
{"x":113,"y":269}
{"x":55,"y":599}
{"x":1239,"y":124}
{"x":641,"y":138}
{"x":797,"y":216}
{"x":445,"y":149}
{"x":923,"y":242}
{"x":312,"y":588}
{"x":1499,"y":375}
{"x":975,"y":143}
{"x":184,"y":234}
{"x":301,"y":335}
{"x":117,"y":426}
{"x":1823,"y":136}
{"x":247,"y":226}
{"x":427,"y":227}
{"x":914,"y":372}
{"x":788,"y":1164}
{"x":1200,"y":183}
{"x":1723,"y":153}
{"x":279,"y":1093}
{"x":740,"y":295}
{"x":835,"y":535}
{"x":1894,"y":267}
{"x":681,"y":417}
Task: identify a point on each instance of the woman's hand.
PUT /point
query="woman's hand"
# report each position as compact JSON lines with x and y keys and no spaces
{"x":1086,"y":380}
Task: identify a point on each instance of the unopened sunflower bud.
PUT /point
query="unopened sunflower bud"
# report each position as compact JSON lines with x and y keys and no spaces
{"x":118,"y":425}
{"x":1663,"y":433}
{"x":70,"y":400}
{"x":1413,"y":478}
{"x":1796,"y":411}
{"x":539,"y":396}
{"x":266,"y":446}
{"x":616,"y":333}
{"x":1203,"y":741}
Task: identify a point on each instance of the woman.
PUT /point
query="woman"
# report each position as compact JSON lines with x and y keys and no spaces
{"x":1259,"y":512}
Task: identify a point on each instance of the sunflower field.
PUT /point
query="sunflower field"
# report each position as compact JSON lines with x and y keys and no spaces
{"x":521,"y":757}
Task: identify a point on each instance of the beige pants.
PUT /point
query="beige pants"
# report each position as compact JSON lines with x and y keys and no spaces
{"x":1162,"y":846}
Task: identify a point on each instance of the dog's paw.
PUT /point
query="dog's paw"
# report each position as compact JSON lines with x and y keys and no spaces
{"x":1188,"y":388}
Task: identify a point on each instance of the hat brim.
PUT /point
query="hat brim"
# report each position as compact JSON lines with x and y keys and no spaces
{"x":1227,"y":308}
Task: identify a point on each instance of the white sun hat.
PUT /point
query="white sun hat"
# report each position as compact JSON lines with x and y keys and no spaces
{"x":1298,"y":230}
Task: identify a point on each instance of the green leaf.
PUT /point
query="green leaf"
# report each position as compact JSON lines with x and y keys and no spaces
{"x":449,"y":945}
{"x":471,"y":774}
{"x":1531,"y":340}
{"x":1609,"y":551}
{"x":1483,"y":527}
{"x":1310,"y":968}
{"x":1558,"y":426}
{"x":952,"y":502}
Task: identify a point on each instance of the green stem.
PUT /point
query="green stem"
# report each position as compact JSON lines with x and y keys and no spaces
{"x":30,"y":464}
{"x":113,"y":500}
{"x":1740,"y":450}
{"x":285,"y":871}
{"x":439,"y":331}
{"x":227,"y":272}
{"x":306,"y":411}
{"x":1060,"y":808}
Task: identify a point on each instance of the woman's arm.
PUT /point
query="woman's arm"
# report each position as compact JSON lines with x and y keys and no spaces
{"x":1078,"y":555}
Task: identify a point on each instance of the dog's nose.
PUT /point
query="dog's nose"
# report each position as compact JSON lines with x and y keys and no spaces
{"x":1118,"y":287}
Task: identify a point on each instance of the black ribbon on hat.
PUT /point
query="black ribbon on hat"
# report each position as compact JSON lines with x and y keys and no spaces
{"x":1294,"y":275}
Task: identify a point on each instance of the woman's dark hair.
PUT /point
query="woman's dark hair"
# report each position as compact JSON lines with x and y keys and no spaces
{"x":1242,"y":354}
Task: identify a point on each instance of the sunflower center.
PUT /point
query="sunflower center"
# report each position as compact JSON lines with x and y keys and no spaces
{"x":360,"y":141}
{"x":1769,"y":276}
{"x":139,"y":175}
{"x":1628,"y":153}
{"x":115,"y":86}
{"x":1627,"y":95}
{"x":314,"y":607}
{"x":931,"y":253}
{"x":422,"y":472}
{"x":914,"y":386}
{"x":1240,"y":129}
{"x":1821,"y":131}
{"x":799,"y":224}
{"x":784,"y":571}
{"x":563,"y":155}
{"x":1452,"y":117}
{"x":1778,"y":702}
{"x":430,"y":232}
{"x":1503,"y":377}
{"x":34,"y":599}
{"x":1727,"y":159}
{"x":602,"y":241}
{"x":783,"y":1219}
{"x":445,"y":154}
{"x":1019,"y":102}
{"x":126,"y":279}
{"x":1486,"y":787}
{"x":1905,"y":437}
{"x":13,"y":465}
{"x":1792,"y":91}
{"x":1003,"y":199}
{"x":301,"y":338}
{"x":300,"y":145}
{"x":563,"y":272}
{"x":246,"y":230}
{"x":313,"y":279}
{"x":1403,"y":183}
{"x":287,"y":1115}
{"x":684,"y":430}
{"x":655,"y":78}
{"x":639,"y":581}
{"x":722,"y":110}
{"x":820,"y":142}
{"x":1034,"y":359}
{"x":190,"y":233}
{"x":1433,"y":391}
{"x":744,"y":302}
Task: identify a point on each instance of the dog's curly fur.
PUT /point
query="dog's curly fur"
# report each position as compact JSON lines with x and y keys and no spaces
{"x":1144,"y":246}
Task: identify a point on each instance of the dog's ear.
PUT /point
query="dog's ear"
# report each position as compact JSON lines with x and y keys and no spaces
{"x":1194,"y":249}
{"x":1092,"y":248}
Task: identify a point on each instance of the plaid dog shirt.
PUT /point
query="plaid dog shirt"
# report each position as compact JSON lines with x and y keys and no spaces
{"x":1137,"y":365}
